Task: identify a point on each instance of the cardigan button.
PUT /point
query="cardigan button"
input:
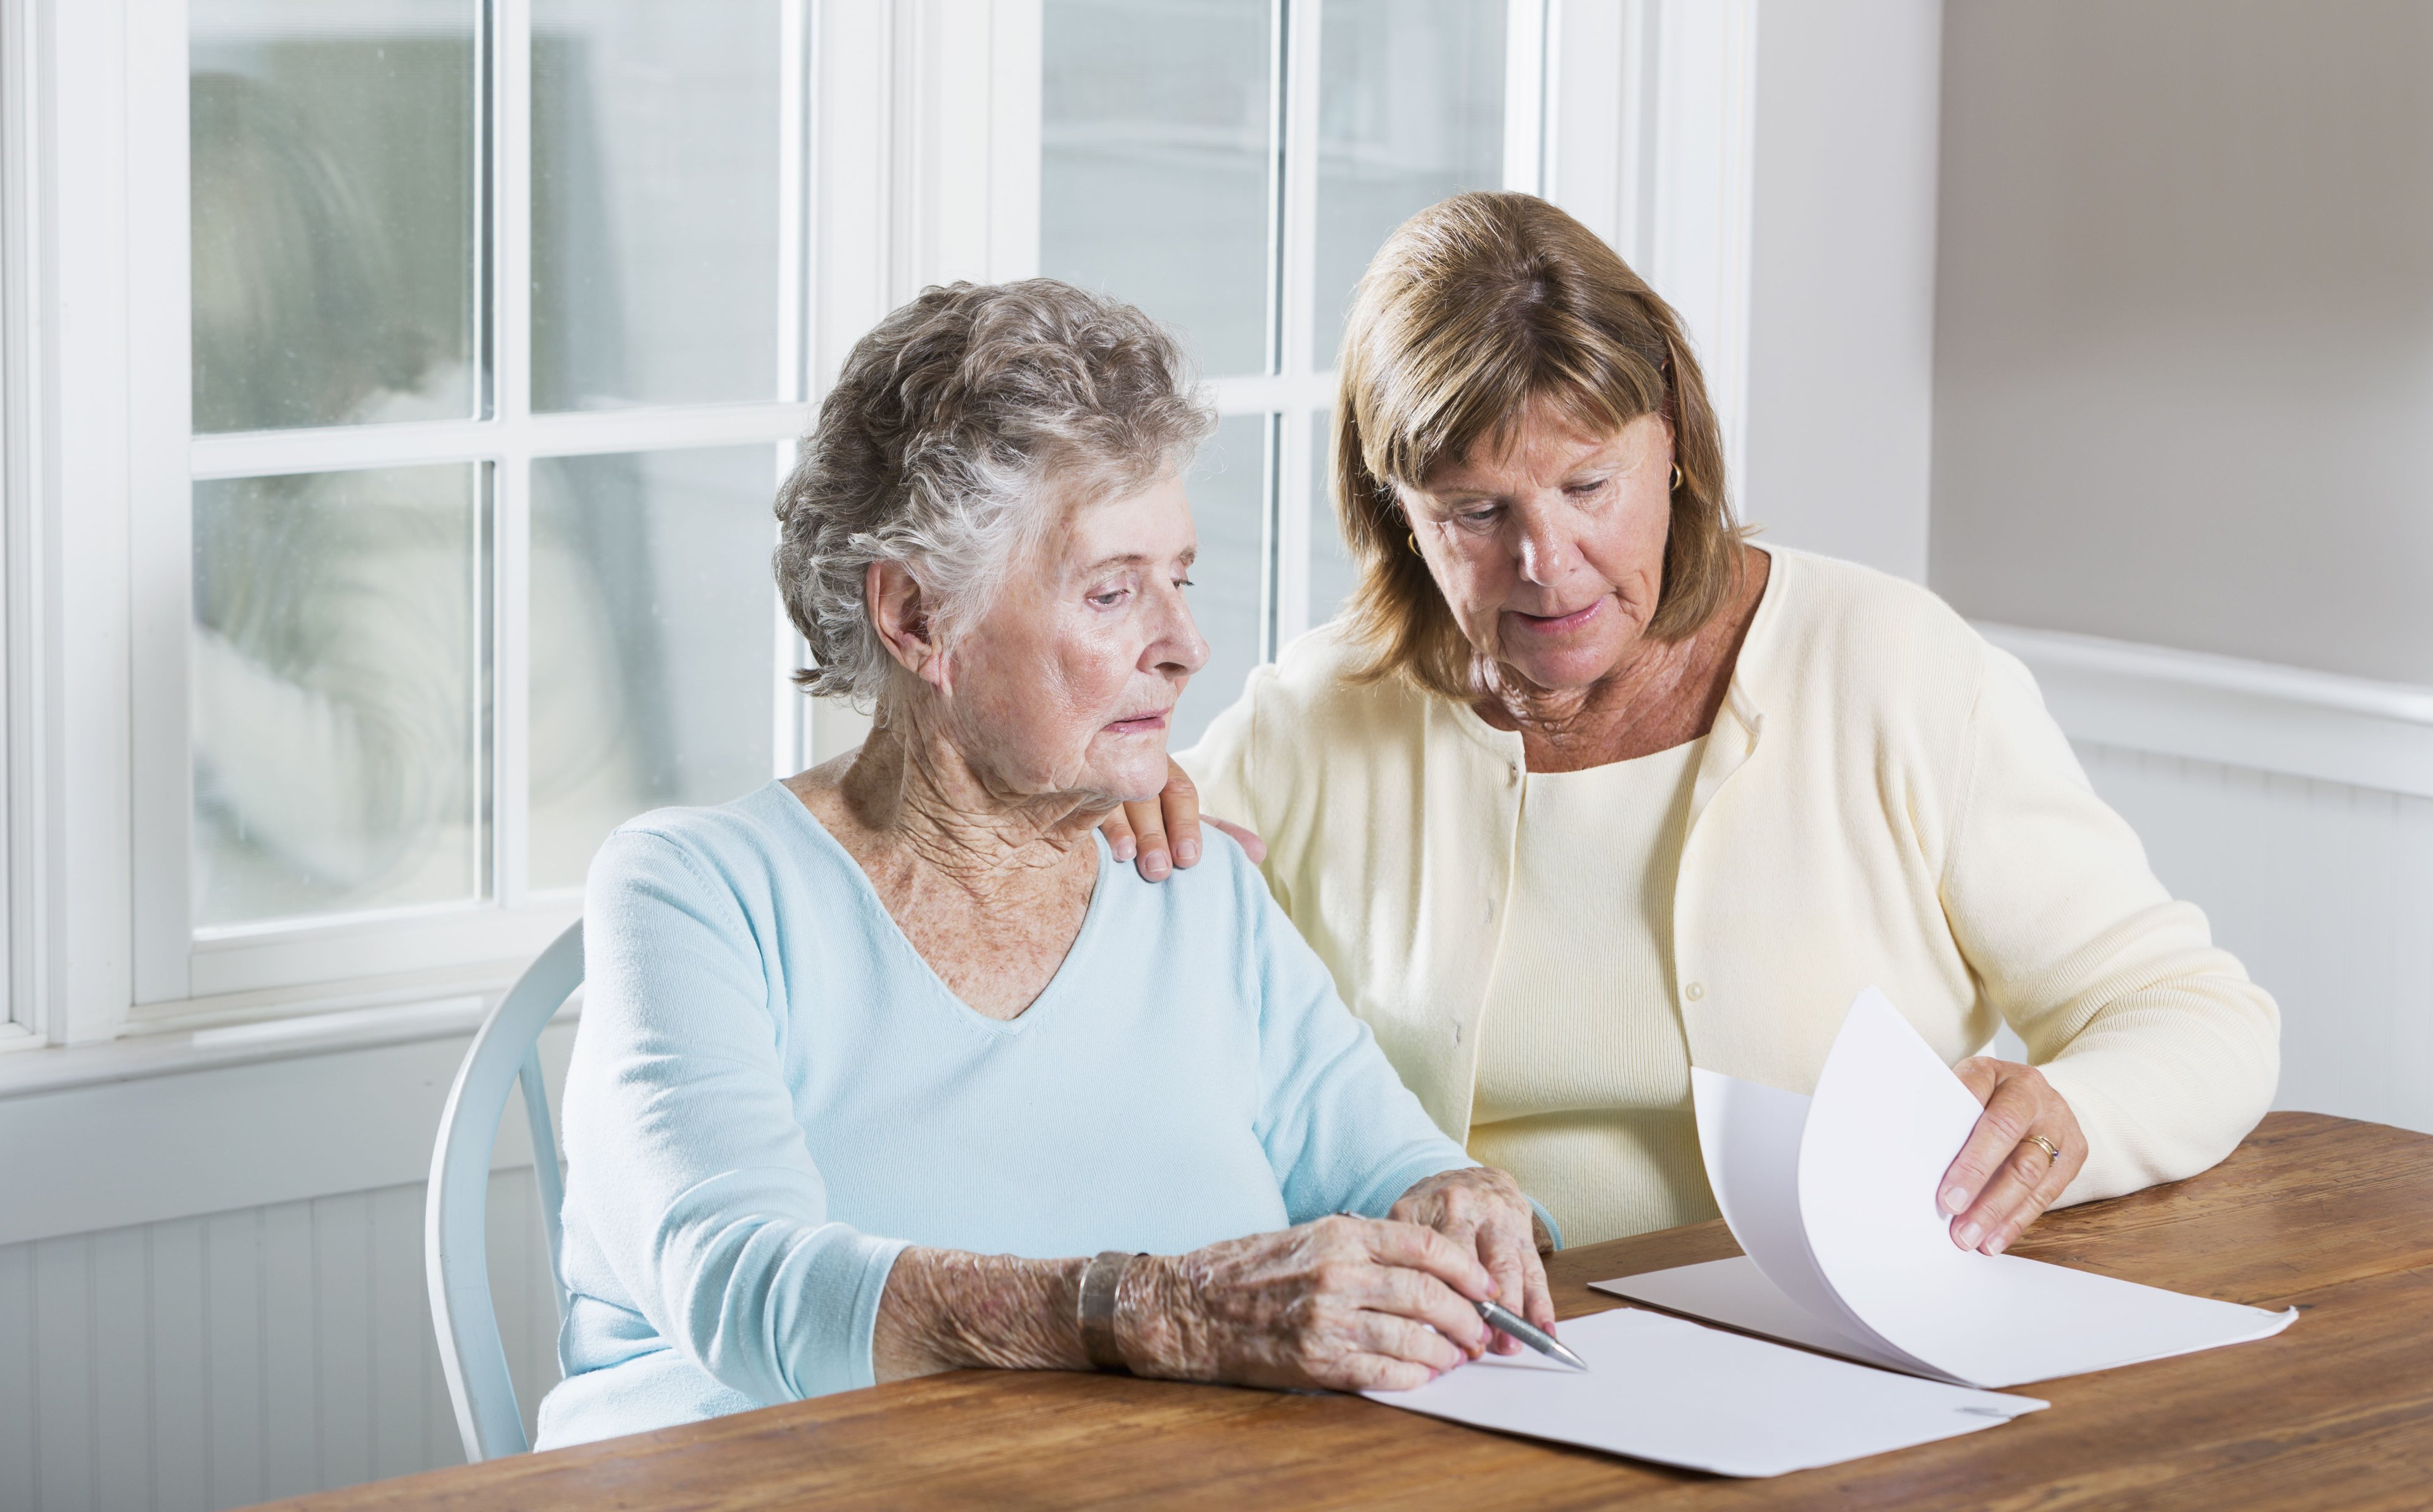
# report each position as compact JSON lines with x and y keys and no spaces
{"x":1694,"y":990}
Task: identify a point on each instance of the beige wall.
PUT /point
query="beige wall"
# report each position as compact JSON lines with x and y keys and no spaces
{"x":2184,"y":377}
{"x":1841,"y":279}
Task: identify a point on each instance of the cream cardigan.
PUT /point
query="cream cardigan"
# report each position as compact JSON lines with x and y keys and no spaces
{"x":1883,"y":801}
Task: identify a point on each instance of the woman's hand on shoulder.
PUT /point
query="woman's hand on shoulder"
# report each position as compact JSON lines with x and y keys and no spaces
{"x":2005,"y":1176}
{"x":1159,"y":834}
{"x":1345,"y":1303}
{"x":1482,"y":1212}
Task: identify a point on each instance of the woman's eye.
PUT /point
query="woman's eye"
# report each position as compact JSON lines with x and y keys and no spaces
{"x":1109,"y":598}
{"x":1185,"y":583}
{"x":1582,"y":491}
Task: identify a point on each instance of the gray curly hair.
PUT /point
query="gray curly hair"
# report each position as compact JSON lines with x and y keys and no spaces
{"x":955,"y":423}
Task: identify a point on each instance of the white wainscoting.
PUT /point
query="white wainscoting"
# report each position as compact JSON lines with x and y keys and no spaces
{"x":2296,"y":808}
{"x":221,"y":1360}
{"x":2325,"y":891}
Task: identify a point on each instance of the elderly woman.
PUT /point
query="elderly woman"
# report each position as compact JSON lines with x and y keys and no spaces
{"x":1585,"y":790}
{"x":868,"y":1064}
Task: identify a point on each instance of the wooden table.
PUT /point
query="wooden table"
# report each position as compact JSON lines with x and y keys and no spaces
{"x":2332,"y":1216}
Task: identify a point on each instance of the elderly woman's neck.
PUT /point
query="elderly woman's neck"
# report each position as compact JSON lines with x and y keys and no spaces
{"x":914,"y":794}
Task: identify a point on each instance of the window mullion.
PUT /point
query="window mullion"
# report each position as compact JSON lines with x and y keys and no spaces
{"x":159,"y":554}
{"x":575,"y":433}
{"x":793,"y":187}
{"x":1524,"y":95}
{"x":789,"y":713}
{"x":508,"y":246}
{"x":1297,"y":278}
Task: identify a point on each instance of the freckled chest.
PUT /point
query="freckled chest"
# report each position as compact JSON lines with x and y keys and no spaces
{"x":996,"y":954}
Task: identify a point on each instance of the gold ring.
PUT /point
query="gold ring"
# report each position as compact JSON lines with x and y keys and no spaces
{"x":2053,"y":1151}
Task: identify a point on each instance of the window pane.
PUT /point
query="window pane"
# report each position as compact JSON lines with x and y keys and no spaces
{"x":333,"y":180}
{"x":655,"y":199}
{"x":653,"y":642}
{"x":1228,"y":494}
{"x":1332,"y":575}
{"x":1410,"y":109}
{"x":1155,"y":160}
{"x":339,"y":691}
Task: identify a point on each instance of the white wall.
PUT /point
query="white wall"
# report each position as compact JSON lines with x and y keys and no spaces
{"x":1841,"y":279}
{"x":2186,"y":339}
{"x":2183,"y":357}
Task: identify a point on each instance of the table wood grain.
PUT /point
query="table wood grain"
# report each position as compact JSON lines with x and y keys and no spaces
{"x":2330,"y":1216}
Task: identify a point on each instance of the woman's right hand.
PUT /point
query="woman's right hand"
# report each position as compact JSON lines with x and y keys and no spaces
{"x":1350,"y":1304}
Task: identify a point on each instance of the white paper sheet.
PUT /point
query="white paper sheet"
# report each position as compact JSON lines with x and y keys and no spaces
{"x":1734,"y":1291}
{"x":1855,"y":1215}
{"x":1750,"y":1137}
{"x":1663,"y":1389}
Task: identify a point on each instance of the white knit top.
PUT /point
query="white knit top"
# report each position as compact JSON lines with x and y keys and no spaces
{"x":1583,"y":1085}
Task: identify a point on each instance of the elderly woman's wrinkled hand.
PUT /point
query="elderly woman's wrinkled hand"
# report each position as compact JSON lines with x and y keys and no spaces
{"x":1481,"y":1211}
{"x":2026,"y":1147}
{"x":1345,"y":1303}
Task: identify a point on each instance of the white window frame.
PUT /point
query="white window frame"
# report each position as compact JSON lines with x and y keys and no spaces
{"x":182,"y":977}
{"x":17,"y":1023}
{"x":922,"y":165}
{"x":1302,"y":387}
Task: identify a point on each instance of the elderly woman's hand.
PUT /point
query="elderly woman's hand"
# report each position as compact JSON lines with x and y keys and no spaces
{"x":1481,"y":1211}
{"x":1351,"y":1304}
{"x":2005,"y":1175}
{"x":1162,"y":833}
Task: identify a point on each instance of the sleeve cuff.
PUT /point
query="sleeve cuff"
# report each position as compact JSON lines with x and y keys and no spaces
{"x":1388,"y":1189}
{"x":825,"y":1308}
{"x":1554,"y":1229}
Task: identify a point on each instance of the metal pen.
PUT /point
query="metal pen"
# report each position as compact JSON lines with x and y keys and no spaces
{"x":1508,"y":1322}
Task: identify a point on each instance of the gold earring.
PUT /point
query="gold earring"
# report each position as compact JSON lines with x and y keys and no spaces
{"x":1411,"y":538}
{"x":1677,"y":477}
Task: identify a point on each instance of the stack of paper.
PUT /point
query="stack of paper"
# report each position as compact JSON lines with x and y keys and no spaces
{"x":1834,"y":1198}
{"x":1661,"y":1389}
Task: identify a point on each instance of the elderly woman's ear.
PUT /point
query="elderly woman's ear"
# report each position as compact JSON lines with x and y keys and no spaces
{"x":901,"y":612}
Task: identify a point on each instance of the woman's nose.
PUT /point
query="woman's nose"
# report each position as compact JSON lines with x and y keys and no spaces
{"x":1544,"y":551}
{"x":1180,"y":644}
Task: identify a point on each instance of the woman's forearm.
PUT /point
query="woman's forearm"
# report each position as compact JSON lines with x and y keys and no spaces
{"x":947,"y":1309}
{"x":950,"y":1309}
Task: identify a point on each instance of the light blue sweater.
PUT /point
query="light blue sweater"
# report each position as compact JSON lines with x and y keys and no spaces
{"x":772,"y":1094}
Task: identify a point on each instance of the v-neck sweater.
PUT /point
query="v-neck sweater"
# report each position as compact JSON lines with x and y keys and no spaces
{"x":772,"y":1094}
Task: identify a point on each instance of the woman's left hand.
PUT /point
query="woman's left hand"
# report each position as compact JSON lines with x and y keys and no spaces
{"x":2003,"y":1178}
{"x":1159,"y":834}
{"x":1481,"y":1211}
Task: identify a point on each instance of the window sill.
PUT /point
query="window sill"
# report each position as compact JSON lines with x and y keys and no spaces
{"x":179,"y":1124}
{"x":56,"y":1068}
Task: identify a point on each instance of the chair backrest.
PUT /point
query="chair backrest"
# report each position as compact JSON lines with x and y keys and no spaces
{"x":455,"y":1251}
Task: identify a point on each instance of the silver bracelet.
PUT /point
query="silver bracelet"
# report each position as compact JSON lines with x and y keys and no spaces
{"x":1096,"y":1310}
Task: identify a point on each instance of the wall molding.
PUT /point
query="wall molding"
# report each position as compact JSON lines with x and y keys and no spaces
{"x":2256,"y":715}
{"x":181,"y":1130}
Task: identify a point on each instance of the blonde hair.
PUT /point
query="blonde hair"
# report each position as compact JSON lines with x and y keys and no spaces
{"x":1474,"y":308}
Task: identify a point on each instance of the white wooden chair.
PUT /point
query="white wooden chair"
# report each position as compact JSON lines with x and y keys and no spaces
{"x":455,"y":1223}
